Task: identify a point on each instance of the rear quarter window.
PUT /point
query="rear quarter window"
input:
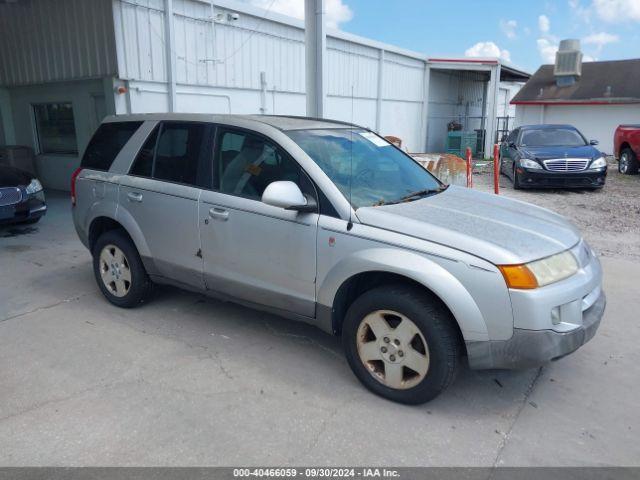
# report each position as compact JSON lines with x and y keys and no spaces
{"x":106,"y":143}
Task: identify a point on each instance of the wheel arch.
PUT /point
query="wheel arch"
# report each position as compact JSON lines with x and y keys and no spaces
{"x":105,"y":223}
{"x":624,"y":145}
{"x":367,"y":269}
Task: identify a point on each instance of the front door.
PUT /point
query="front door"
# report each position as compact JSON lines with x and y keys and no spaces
{"x":252,"y":251}
{"x":161,"y":194}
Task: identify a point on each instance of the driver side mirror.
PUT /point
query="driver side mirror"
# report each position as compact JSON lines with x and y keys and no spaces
{"x":287,"y":195}
{"x":593,"y":142}
{"x":512,"y":144}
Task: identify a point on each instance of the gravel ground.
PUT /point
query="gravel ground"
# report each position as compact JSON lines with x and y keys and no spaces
{"x":609,"y":218}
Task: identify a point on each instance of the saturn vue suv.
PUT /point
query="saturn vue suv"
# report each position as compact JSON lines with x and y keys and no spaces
{"x":327,"y":223}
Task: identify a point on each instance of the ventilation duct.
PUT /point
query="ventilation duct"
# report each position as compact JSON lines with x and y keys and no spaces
{"x":568,"y":66}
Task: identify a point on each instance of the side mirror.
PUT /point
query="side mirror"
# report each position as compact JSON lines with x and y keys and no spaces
{"x":593,"y":142}
{"x":512,"y":145}
{"x":287,"y":195}
{"x":503,"y":139}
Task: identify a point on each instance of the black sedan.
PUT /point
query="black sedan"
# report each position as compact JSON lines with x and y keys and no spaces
{"x":21,"y":197}
{"x":552,"y":156}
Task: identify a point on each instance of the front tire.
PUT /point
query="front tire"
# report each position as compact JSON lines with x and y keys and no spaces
{"x":119,"y":271}
{"x":516,"y":180}
{"x":628,"y":163}
{"x":401,"y":343}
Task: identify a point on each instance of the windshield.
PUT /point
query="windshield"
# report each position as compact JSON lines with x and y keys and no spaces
{"x":379,"y":172}
{"x":552,"y":137}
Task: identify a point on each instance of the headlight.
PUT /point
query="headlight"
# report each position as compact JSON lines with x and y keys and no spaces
{"x":598,"y":163}
{"x":528,"y":163}
{"x":540,"y":272}
{"x":34,"y":187}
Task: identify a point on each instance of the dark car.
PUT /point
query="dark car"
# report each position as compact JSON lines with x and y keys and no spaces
{"x":552,"y":156}
{"x":21,"y":197}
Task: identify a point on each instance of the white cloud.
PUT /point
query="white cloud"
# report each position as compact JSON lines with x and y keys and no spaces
{"x":583,"y":13}
{"x":617,"y":10}
{"x":547,"y":50}
{"x":336,"y":11}
{"x":508,"y":27}
{"x":487,"y":49}
{"x":543,"y":23}
{"x":600,"y":39}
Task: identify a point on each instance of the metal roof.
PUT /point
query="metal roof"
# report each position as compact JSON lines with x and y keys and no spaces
{"x":601,"y":83}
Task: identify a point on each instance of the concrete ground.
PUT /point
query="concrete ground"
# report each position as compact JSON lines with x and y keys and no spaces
{"x":186,"y":380}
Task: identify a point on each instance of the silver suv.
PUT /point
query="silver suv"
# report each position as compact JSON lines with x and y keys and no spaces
{"x":327,"y":223}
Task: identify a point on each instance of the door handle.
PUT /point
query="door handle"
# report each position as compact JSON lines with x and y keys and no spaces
{"x":134,"y":197}
{"x":219,"y":214}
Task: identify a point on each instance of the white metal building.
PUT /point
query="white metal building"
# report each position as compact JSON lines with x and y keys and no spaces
{"x":594,"y":97}
{"x":65,"y":64}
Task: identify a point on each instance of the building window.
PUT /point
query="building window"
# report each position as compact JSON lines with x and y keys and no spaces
{"x":55,"y":128}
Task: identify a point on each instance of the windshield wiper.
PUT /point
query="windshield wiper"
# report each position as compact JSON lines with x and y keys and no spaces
{"x":414,"y":195}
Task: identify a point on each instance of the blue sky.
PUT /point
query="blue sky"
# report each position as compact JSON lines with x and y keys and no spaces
{"x":525,"y":32}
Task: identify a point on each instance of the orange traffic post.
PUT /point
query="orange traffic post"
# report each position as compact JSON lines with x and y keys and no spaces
{"x":496,"y":169}
{"x":469,"y":169}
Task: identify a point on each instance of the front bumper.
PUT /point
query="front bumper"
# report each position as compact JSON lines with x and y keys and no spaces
{"x":549,"y":322}
{"x":532,"y":348}
{"x":547,"y":179}
{"x":31,"y":208}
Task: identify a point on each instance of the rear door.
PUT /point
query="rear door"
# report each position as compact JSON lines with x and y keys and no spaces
{"x":252,"y":251}
{"x":161,"y":194}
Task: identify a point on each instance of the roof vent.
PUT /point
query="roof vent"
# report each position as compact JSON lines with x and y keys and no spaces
{"x":568,"y":67}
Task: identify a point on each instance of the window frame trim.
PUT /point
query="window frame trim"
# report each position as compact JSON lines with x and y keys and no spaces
{"x":220,"y":127}
{"x":36,"y":132}
{"x":159,"y":128}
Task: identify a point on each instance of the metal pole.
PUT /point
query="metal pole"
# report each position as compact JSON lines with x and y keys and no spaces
{"x":170,"y":53}
{"x":496,"y":169}
{"x":469,"y":169}
{"x":315,"y":48}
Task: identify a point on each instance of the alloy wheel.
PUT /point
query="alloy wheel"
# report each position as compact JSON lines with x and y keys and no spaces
{"x":392,"y":349}
{"x":623,"y":165}
{"x":115,"y":271}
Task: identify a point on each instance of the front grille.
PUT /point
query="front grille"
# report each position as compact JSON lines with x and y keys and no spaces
{"x":10,"y":196}
{"x":566,"y":164}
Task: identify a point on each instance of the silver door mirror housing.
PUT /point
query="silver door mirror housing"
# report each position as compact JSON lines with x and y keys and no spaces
{"x":284,"y":194}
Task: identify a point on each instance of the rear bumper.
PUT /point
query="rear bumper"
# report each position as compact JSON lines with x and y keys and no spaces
{"x":546,"y":179}
{"x":532,"y":348}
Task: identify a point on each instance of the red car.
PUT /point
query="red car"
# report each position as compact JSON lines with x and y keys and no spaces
{"x":626,"y":148}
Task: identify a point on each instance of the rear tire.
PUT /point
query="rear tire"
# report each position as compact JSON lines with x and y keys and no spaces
{"x":119,"y":271}
{"x":628,"y":163}
{"x":408,"y":362}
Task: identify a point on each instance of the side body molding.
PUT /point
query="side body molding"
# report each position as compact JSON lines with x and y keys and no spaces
{"x":417,"y":267}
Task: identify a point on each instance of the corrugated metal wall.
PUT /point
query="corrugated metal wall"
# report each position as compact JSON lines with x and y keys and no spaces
{"x":56,"y":40}
{"x":219,"y":65}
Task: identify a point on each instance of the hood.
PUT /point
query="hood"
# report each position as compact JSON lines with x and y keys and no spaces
{"x":12,"y":177}
{"x":545,"y":153}
{"x":495,"y":228}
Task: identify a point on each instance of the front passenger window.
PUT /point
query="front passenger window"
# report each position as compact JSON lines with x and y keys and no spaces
{"x":247,"y":163}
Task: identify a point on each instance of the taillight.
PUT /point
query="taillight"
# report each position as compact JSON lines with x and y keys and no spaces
{"x":74,"y":177}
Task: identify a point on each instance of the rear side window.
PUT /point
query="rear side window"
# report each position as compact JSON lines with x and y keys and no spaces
{"x":174,"y":153}
{"x":106,"y":143}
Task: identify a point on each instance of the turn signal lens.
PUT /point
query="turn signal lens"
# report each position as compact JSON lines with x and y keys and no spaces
{"x":518,"y":276}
